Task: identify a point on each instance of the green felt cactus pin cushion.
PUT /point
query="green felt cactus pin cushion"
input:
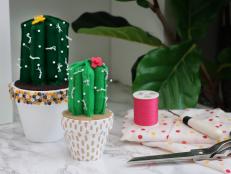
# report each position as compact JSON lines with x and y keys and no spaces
{"x":44,"y":52}
{"x":87,"y":115}
{"x":88,"y":87}
{"x":41,"y":91}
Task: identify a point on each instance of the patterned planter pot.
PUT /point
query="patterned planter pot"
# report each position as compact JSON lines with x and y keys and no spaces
{"x":40,"y":112}
{"x":86,"y":136}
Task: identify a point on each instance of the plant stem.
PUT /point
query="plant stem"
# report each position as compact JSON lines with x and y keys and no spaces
{"x":207,"y":76}
{"x":212,"y":89}
{"x":224,"y":66}
{"x":156,"y":9}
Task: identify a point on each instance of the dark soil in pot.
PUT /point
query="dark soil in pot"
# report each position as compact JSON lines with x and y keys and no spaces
{"x":45,"y":87}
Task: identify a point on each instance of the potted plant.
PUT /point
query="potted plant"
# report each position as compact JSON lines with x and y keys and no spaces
{"x":175,"y":70}
{"x":41,"y":92}
{"x":87,"y":120}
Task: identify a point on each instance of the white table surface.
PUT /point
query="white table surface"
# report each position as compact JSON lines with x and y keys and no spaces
{"x":19,"y":156}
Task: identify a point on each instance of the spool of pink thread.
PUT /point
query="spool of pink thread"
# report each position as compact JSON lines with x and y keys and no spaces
{"x":146,"y":107}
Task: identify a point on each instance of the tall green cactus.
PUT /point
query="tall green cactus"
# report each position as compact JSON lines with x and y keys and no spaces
{"x":87,"y":92}
{"x":44,"y":51}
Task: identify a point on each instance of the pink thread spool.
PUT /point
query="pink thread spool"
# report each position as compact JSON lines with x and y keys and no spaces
{"x":145,"y":107}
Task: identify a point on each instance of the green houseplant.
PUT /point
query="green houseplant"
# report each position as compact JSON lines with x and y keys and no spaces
{"x":174,"y":70}
{"x":87,"y":120}
{"x":41,"y":92}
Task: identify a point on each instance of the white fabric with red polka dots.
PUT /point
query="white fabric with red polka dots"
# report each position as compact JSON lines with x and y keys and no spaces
{"x":172,"y":135}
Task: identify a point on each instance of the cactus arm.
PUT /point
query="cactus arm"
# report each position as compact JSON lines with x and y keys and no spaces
{"x":62,"y":45}
{"x":101,"y":75}
{"x":75,"y":89}
{"x":37,"y":55}
{"x":25,"y":52}
{"x":51,"y":52}
{"x":78,"y":92}
{"x":57,"y":50}
{"x":88,"y":89}
{"x":71,"y":88}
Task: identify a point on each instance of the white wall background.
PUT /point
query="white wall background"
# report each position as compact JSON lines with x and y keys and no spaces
{"x":5,"y":65}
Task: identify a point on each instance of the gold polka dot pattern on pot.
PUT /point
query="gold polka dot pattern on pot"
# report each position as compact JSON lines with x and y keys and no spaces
{"x":37,"y":97}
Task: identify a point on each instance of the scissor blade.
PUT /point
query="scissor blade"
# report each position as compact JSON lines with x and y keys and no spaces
{"x":166,"y":158}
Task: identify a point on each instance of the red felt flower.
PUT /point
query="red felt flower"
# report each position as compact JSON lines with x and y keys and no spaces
{"x":96,"y":61}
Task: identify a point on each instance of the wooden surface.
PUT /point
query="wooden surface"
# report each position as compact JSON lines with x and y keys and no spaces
{"x":107,"y":114}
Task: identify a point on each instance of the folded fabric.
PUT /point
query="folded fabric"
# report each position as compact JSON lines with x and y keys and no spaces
{"x":172,"y":135}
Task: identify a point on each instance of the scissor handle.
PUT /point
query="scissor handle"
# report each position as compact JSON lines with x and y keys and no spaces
{"x":221,"y":149}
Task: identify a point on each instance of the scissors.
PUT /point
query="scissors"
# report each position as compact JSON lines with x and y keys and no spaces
{"x":217,"y":151}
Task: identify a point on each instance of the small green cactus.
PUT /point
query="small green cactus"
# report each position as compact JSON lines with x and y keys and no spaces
{"x":44,"y":51}
{"x":87,"y":92}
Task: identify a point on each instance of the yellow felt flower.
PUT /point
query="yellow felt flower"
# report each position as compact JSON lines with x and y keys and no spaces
{"x":38,"y":19}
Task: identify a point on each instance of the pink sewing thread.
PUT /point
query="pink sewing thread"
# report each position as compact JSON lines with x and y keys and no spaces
{"x":146,"y":107}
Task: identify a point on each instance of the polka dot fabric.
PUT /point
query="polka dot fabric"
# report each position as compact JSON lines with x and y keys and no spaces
{"x":172,"y":135}
{"x":159,"y":132}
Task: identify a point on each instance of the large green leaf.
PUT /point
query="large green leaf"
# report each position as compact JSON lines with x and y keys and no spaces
{"x":194,"y":16}
{"x":173,"y":72}
{"x":104,"y":24}
{"x":143,"y":3}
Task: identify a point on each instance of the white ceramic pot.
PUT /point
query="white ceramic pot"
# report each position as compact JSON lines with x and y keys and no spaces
{"x":40,"y":112}
{"x":86,"y":137}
